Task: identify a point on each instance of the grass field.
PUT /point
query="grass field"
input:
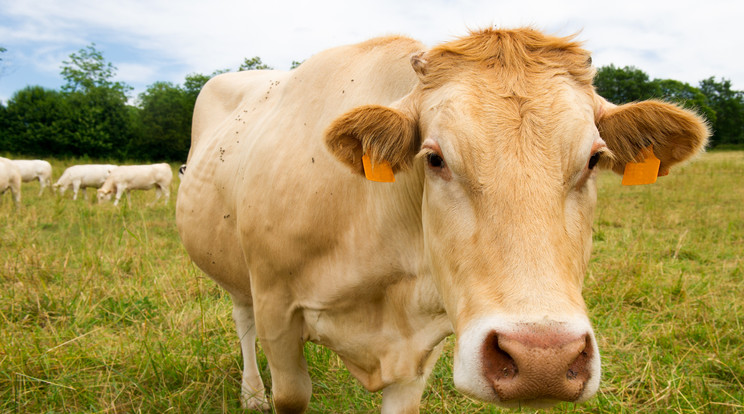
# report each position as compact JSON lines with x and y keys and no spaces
{"x":102,"y":311}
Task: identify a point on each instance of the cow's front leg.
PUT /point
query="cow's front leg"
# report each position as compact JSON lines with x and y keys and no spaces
{"x":252,"y":395}
{"x":403,"y":398}
{"x":280,"y":333}
{"x":119,"y":191}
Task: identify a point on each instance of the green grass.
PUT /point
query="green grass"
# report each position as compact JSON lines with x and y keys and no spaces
{"x":102,"y":311}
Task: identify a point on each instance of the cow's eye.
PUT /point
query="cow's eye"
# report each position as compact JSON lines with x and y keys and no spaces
{"x":435,"y":161}
{"x":594,"y":159}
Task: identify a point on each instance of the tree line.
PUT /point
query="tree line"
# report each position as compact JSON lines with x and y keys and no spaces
{"x":721,"y":105}
{"x":91,"y":116}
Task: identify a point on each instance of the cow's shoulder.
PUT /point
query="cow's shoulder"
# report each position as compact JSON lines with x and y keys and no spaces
{"x":223,"y":94}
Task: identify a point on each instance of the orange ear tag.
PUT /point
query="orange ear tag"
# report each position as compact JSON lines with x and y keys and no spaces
{"x":382,"y":172}
{"x":645,"y":172}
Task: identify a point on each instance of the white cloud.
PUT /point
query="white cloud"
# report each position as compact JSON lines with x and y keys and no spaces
{"x":136,"y":73}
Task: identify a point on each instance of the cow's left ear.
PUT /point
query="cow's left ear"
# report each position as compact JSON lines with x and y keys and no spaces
{"x":675,"y":133}
{"x":383,"y":133}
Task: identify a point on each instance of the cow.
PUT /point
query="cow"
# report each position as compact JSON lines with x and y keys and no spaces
{"x":491,"y":145}
{"x":83,"y":176}
{"x":10,"y":179}
{"x":125,"y":178}
{"x":35,"y":170}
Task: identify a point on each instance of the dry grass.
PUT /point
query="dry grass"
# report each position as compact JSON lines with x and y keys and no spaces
{"x":101,"y":310}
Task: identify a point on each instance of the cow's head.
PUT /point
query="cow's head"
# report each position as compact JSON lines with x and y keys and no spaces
{"x":511,"y":135}
{"x":104,"y":194}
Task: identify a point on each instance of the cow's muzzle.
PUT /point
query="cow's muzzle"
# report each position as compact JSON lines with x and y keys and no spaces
{"x":534,"y":364}
{"x":531,"y":364}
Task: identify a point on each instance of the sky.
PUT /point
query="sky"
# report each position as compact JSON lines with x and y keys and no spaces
{"x":165,"y":40}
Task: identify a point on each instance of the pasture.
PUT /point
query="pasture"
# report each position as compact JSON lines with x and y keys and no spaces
{"x":102,"y":311}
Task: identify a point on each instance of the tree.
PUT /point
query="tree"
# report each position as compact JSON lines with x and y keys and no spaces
{"x":728,"y":104}
{"x":253,"y":63}
{"x":36,"y":122}
{"x":100,"y":121}
{"x":4,"y":128}
{"x":165,"y":116}
{"x":2,"y":50}
{"x":686,"y":95}
{"x":623,"y":85}
{"x":194,"y":83}
{"x":295,"y":63}
{"x":87,"y":69}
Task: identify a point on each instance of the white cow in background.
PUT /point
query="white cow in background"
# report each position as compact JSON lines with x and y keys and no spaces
{"x":137,"y":177}
{"x":83,"y":176}
{"x":35,"y":170}
{"x":10,"y":179}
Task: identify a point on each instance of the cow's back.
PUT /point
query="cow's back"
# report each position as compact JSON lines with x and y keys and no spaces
{"x":33,"y":169}
{"x":258,"y":162}
{"x":163,"y":174}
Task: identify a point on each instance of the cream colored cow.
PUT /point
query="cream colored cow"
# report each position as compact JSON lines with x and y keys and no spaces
{"x":10,"y":179}
{"x":83,"y":176}
{"x":35,"y":170}
{"x":495,"y":140}
{"x":125,"y":178}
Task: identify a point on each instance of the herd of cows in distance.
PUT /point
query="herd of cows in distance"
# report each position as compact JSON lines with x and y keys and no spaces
{"x":110,"y":180}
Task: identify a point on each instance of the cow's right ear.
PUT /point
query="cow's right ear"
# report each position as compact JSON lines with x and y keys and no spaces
{"x":383,"y":133}
{"x":675,"y":133}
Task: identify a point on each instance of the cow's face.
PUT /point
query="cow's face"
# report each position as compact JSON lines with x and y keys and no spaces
{"x":511,"y":136}
{"x":103,"y":194}
{"x":507,"y":209}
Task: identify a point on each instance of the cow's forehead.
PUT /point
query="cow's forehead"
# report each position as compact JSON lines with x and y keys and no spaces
{"x":499,"y":93}
{"x":486,"y":133}
{"x":515,"y":58}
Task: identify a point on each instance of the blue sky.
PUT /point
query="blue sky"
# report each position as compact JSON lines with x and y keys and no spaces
{"x":159,"y":40}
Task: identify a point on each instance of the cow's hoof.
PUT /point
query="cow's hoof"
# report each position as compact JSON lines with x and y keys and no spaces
{"x":256,"y":404}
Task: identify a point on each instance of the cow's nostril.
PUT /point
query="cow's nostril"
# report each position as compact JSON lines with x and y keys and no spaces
{"x":579,"y":368}
{"x":497,"y":360}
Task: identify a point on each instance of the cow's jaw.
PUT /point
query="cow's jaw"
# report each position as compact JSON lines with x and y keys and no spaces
{"x":513,"y":362}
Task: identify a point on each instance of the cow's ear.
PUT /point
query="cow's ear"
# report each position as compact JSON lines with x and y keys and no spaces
{"x":676,"y":134}
{"x":383,"y":133}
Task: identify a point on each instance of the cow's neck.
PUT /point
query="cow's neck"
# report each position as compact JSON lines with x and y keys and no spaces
{"x":380,"y":311}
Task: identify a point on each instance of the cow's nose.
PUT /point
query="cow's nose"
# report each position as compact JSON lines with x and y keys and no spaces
{"x":533,"y":365}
